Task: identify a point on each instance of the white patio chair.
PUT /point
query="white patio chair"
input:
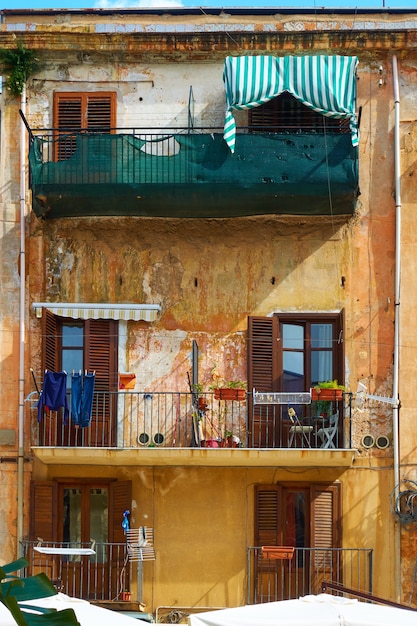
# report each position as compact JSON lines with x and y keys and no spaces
{"x":328,"y":434}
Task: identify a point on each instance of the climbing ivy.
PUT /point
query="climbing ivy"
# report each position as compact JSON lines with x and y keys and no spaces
{"x":18,"y":64}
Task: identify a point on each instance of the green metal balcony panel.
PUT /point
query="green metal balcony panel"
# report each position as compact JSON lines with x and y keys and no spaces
{"x":195,"y":175}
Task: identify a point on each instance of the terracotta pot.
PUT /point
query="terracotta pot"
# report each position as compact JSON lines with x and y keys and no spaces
{"x":202,"y":404}
{"x":226,"y":393}
{"x":125,"y":596}
{"x":209,"y":443}
{"x":326,"y":394}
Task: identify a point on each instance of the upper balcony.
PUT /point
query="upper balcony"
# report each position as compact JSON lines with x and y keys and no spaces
{"x":176,"y":428}
{"x":192,"y":173}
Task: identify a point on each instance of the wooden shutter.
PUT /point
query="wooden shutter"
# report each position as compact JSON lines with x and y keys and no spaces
{"x":263,"y":427}
{"x":267,"y":532}
{"x":262,"y":357}
{"x":43,"y":517}
{"x":325,"y":534}
{"x":78,"y":112}
{"x":49,"y":360}
{"x":120,"y":500}
{"x":325,"y":516}
{"x":101,"y":357}
{"x":101,"y":352}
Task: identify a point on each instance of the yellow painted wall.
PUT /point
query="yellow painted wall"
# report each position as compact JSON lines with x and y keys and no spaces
{"x":203,"y":524}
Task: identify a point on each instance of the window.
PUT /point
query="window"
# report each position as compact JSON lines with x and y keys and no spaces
{"x":307,"y":517}
{"x":287,"y":114}
{"x":290,"y":353}
{"x":91,"y":345}
{"x":77,"y":511}
{"x":76,"y":113}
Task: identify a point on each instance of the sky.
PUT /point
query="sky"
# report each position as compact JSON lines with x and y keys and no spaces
{"x":140,"y":4}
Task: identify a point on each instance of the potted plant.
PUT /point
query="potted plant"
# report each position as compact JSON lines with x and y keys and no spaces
{"x":198,"y":390}
{"x":231,"y":390}
{"x":327,"y":390}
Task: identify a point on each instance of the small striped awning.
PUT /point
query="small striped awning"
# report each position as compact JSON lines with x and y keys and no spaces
{"x":326,"y":84}
{"x":85,"y":311}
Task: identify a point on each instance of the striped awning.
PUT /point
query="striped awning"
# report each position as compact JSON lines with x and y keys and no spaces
{"x":326,"y":84}
{"x":85,"y":311}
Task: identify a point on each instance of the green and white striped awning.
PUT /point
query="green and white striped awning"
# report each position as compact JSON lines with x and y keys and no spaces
{"x":327,"y":84}
{"x":88,"y":310}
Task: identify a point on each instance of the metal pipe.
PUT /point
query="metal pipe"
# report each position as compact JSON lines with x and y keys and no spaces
{"x":22,"y":259}
{"x":395,"y":386}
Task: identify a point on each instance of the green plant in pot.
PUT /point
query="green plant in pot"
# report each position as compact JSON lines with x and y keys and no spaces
{"x":324,"y":394}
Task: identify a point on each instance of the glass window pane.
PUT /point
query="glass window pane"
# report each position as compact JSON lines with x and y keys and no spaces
{"x":72,"y":335}
{"x":72,"y":516}
{"x":293,"y":371}
{"x":292,"y":336}
{"x":72,"y":360}
{"x":99,"y":521}
{"x":321,"y":335}
{"x":321,"y":366}
{"x":295,"y":532}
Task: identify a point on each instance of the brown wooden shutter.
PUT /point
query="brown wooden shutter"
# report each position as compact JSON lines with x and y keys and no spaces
{"x":267,"y":532}
{"x":78,"y":112}
{"x":101,"y":358}
{"x":325,"y":516}
{"x":43,"y":516}
{"x":101,"y":353}
{"x":325,"y":533}
{"x":120,"y":500}
{"x":49,"y":360}
{"x":263,"y":431}
{"x":262,"y":354}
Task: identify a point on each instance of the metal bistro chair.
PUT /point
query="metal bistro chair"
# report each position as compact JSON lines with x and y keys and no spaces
{"x":296,"y":428}
{"x":328,"y":434}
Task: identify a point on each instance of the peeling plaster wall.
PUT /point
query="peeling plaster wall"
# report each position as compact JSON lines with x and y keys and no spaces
{"x":209,"y":275}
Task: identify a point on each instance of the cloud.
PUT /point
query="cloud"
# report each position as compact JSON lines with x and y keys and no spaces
{"x":137,"y":4}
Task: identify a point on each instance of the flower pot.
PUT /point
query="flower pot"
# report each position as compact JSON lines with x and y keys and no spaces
{"x":226,"y":393}
{"x":125,"y":596}
{"x":209,"y":443}
{"x":202,"y":404}
{"x":326,"y":394}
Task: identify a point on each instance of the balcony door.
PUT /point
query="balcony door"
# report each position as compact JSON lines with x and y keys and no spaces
{"x":82,"y":345}
{"x":289,"y":353}
{"x":308,"y":518}
{"x":77,"y":513}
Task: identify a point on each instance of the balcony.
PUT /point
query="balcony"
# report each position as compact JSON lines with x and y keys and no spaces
{"x":100,"y":577}
{"x":179,"y":172}
{"x":277,"y":578}
{"x":176,"y":427}
{"x":103,"y":576}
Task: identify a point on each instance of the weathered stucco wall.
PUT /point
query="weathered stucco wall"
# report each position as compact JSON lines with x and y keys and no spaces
{"x":209,"y":275}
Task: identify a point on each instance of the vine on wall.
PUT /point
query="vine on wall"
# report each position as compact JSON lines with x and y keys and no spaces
{"x":18,"y":64}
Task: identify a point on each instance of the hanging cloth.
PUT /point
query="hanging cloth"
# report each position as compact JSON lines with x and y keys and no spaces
{"x":326,"y":84}
{"x":53,"y":394}
{"x":82,"y":390}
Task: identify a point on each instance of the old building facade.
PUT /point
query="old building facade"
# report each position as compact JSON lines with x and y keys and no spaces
{"x":147,"y":253}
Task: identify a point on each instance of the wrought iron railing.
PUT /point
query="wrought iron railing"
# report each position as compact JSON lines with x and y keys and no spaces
{"x":272,"y":579}
{"x":180,"y":420}
{"x":103,"y":575}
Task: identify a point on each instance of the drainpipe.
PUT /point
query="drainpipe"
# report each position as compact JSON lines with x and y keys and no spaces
{"x":22,"y":260}
{"x":395,"y":389}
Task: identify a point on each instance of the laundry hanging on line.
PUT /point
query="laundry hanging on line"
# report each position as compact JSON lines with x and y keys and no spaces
{"x":82,"y":389}
{"x":53,"y":394}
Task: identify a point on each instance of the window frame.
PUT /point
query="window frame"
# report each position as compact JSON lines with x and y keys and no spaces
{"x":265,"y":368}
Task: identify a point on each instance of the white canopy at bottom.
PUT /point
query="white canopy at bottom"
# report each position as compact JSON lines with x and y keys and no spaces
{"x":320,"y":610}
